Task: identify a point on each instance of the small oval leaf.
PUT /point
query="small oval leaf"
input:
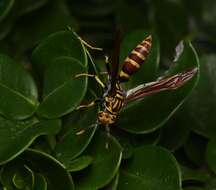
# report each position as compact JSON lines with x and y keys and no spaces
{"x":5,"y":7}
{"x":55,"y":173}
{"x":15,"y":137}
{"x":106,"y":162}
{"x":62,"y":91}
{"x":18,"y":99}
{"x":152,"y":168}
{"x":23,"y":178}
{"x":189,"y":174}
{"x":16,"y":175}
{"x":40,"y":182}
{"x":79,"y":163}
{"x":63,"y":43}
{"x":71,"y":145}
{"x":200,"y":107}
{"x":211,"y":155}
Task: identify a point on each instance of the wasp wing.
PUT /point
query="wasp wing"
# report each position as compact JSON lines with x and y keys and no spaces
{"x":115,"y":60}
{"x":170,"y":83}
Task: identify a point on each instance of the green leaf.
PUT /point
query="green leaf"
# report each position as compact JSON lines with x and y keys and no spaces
{"x":18,"y":98}
{"x":200,"y":107}
{"x":195,"y":149}
{"x":154,"y":111}
{"x":106,"y":162}
{"x":5,"y":29}
{"x":148,"y":70}
{"x":211,"y":155}
{"x":25,"y":38}
{"x":130,"y":141}
{"x":176,"y":131}
{"x":16,"y":175}
{"x":194,"y":188}
{"x":24,"y":179}
{"x":211,"y":184}
{"x":113,"y":184}
{"x":62,"y":92}
{"x":63,"y":43}
{"x":40,"y":182}
{"x":26,"y":6}
{"x":189,"y":174}
{"x":79,"y":163}
{"x":50,"y":168}
{"x":15,"y":137}
{"x":71,"y":145}
{"x":152,"y":168}
{"x":171,"y":23}
{"x":133,"y":14}
{"x":5,"y":7}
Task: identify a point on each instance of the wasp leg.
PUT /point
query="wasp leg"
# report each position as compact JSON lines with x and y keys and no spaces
{"x":108,"y":136}
{"x":83,"y":41}
{"x":84,"y":130}
{"x":93,"y":76}
{"x":107,"y":64}
{"x":89,"y":104}
{"x":88,"y":45}
{"x":103,"y":73}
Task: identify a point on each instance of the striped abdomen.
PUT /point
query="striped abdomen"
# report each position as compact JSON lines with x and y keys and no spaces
{"x":135,"y":59}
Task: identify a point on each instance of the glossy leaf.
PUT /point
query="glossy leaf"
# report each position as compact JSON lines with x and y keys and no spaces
{"x":189,"y":174}
{"x":40,"y":182}
{"x":25,"y":37}
{"x":79,"y":163}
{"x":146,"y":171}
{"x":18,"y":99}
{"x":194,"y":188}
{"x":148,"y":70}
{"x":211,"y":184}
{"x":71,"y":145}
{"x":26,"y":6}
{"x":131,"y":141}
{"x":106,"y":162}
{"x":153,"y":111}
{"x":15,"y":137}
{"x":211,"y":155}
{"x":50,"y":168}
{"x":133,"y":15}
{"x":176,"y":131}
{"x":59,"y":44}
{"x":113,"y":184}
{"x":16,"y":175}
{"x":62,"y":92}
{"x":171,"y":23}
{"x":201,"y":105}
{"x":24,"y":179}
{"x":195,"y":149}
{"x":5,"y":7}
{"x":5,"y":29}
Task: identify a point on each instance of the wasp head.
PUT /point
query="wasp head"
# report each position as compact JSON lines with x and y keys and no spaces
{"x":106,"y":118}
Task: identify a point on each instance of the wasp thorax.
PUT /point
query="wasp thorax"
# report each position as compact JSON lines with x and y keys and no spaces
{"x":106,"y":118}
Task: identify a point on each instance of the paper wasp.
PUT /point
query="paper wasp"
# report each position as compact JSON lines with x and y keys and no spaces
{"x":115,"y":97}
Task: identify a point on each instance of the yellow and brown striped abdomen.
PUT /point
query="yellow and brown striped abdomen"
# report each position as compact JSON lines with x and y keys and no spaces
{"x":135,"y":59}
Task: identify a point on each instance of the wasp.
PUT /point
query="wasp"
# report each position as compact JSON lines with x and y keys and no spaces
{"x":115,"y":97}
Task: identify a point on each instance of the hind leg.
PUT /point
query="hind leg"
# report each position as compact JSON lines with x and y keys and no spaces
{"x":107,"y":128}
{"x":84,"y":130}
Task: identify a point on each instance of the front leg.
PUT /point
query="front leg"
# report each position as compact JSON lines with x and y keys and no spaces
{"x":89,"y":104}
{"x":93,"y":76}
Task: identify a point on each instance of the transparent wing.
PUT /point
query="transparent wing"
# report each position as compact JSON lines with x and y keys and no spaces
{"x":170,"y":83}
